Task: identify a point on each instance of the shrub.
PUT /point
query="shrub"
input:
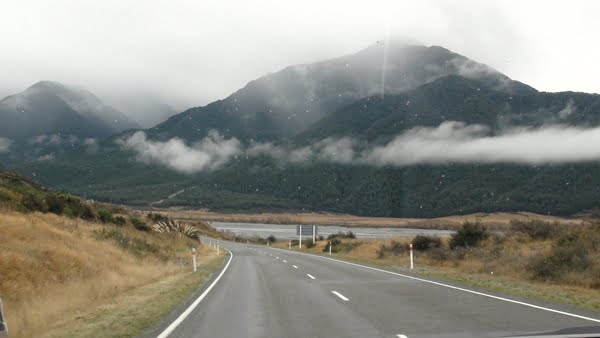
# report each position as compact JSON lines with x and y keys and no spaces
{"x":469,"y":235}
{"x":439,"y":254}
{"x":423,"y":243}
{"x":310,"y":244}
{"x":569,"y":253}
{"x":32,"y":202}
{"x":105,"y":216}
{"x":56,"y":204}
{"x":334,"y":243}
{"x":395,"y":248}
{"x":139,"y":224}
{"x":341,"y":234}
{"x":271,"y":239}
{"x":536,"y":229}
{"x":158,"y":218}
{"x":119,"y":220}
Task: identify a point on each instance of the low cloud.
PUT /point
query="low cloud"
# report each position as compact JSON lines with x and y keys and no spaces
{"x":450,"y":142}
{"x":567,"y":110}
{"x":5,"y":144}
{"x":457,"y":142}
{"x":337,"y":150}
{"x":208,"y":154}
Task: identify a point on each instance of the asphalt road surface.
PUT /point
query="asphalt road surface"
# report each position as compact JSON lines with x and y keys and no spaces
{"x":266,"y":292}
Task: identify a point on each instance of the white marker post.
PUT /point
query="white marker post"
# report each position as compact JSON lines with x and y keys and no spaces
{"x":194,"y":258}
{"x":218,"y":250}
{"x":300,"y":240}
{"x":290,"y":245}
{"x":314,"y":233}
{"x":3,"y":326}
{"x":410,"y":247}
{"x":329,"y":248}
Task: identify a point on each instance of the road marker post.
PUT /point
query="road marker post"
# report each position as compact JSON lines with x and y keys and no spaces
{"x":329,"y":248}
{"x":218,"y":250}
{"x":314,"y":233}
{"x":194,"y":258}
{"x":290,"y":245}
{"x":410,"y":247}
{"x":3,"y":326}
{"x":300,"y":240}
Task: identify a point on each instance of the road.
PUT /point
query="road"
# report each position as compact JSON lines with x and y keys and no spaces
{"x":288,"y":231}
{"x":268,"y":292}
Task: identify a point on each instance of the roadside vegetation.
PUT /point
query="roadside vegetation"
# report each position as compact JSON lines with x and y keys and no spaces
{"x":67,"y":265}
{"x":531,"y":258}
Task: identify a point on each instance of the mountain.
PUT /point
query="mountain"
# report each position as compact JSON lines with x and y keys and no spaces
{"x":50,"y":117}
{"x":425,"y":88}
{"x":48,"y":108}
{"x":287,"y":102}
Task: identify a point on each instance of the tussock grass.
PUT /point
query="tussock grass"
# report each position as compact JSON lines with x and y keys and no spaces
{"x":55,"y":269}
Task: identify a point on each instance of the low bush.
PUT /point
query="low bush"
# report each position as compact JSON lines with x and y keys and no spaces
{"x":334,"y":243}
{"x":569,"y":253}
{"x":394,"y":248}
{"x":310,"y":244}
{"x":271,"y":239}
{"x":341,"y":234}
{"x":56,"y":204}
{"x":105,"y":216}
{"x":424,"y":243}
{"x":537,"y":229}
{"x":469,"y":235}
{"x":32,"y":202}
{"x":139,"y":224}
{"x":119,"y":220}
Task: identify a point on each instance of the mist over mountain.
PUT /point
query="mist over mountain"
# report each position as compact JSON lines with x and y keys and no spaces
{"x":285,"y":103}
{"x":48,"y":108}
{"x":49,"y":117}
{"x":446,"y":135}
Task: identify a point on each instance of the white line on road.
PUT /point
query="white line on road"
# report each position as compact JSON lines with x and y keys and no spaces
{"x":191,"y":308}
{"x":401,"y":336}
{"x":277,"y":257}
{"x":311,"y":276}
{"x":340,"y":295}
{"x":284,"y":261}
{"x":295,"y":267}
{"x":455,"y":288}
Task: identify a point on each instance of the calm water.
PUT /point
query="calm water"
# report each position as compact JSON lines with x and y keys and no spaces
{"x":288,"y":231}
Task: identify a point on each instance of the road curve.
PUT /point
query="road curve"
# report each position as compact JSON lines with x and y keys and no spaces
{"x":268,"y":292}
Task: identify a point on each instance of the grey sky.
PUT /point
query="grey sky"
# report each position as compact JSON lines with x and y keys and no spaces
{"x":188,"y":53}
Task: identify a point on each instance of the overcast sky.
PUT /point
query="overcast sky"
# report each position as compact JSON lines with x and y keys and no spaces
{"x":188,"y":53}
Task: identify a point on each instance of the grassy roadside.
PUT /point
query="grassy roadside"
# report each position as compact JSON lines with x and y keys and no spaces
{"x":62,"y":275}
{"x":134,"y":311}
{"x":468,"y":273}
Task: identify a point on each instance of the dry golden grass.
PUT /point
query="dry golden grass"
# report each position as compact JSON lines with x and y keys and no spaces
{"x":494,"y":220}
{"x":54,"y":269}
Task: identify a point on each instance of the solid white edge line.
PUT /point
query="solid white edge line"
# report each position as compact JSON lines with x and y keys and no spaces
{"x":340,"y":295}
{"x":311,"y":276}
{"x":191,"y":308}
{"x":456,"y":288}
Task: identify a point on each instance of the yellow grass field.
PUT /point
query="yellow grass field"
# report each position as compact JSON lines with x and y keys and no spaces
{"x":499,"y":220}
{"x":55,"y":270}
